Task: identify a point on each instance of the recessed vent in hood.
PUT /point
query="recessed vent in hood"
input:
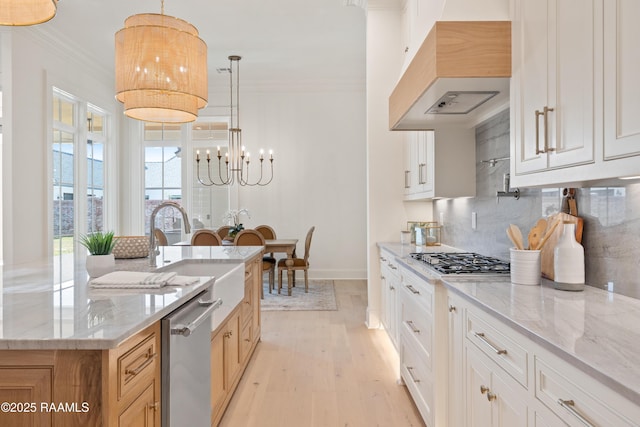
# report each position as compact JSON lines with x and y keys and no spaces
{"x":459,"y":102}
{"x":462,"y":66}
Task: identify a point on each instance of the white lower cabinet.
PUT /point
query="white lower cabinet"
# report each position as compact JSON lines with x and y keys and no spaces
{"x":577,"y":399}
{"x":494,"y":398}
{"x":455,"y":361}
{"x":389,"y":282}
{"x":465,"y":367}
{"x":509,"y":380}
{"x":423,"y":345}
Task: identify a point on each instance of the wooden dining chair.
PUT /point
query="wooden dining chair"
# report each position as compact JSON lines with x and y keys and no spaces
{"x":205,"y":237}
{"x":267,"y":232}
{"x":161,"y":238}
{"x":298,"y":264}
{"x":223,"y":231}
{"x":249,"y":237}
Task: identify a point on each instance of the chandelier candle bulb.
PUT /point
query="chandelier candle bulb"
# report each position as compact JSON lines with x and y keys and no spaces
{"x":208,"y":155}
{"x":197,"y":155}
{"x":218,"y":151}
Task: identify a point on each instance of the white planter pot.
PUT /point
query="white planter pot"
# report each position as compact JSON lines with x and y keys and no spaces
{"x":99,"y":265}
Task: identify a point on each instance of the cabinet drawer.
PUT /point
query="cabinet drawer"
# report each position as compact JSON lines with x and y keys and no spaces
{"x":579,"y":400}
{"x":246,"y":339}
{"x":413,"y":369}
{"x":419,"y":290}
{"x":418,"y":325}
{"x":137,"y":366}
{"x":495,"y":340}
{"x":247,"y":309}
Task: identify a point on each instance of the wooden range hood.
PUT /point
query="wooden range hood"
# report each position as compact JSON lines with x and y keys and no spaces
{"x":459,"y":65}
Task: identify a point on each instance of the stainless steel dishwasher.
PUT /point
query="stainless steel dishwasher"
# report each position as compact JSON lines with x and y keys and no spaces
{"x":186,"y":362}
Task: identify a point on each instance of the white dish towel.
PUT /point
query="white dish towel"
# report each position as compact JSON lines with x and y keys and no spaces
{"x":137,"y":279}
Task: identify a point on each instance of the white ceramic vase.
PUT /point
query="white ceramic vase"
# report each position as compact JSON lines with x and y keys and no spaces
{"x":568,"y":261}
{"x":99,"y":265}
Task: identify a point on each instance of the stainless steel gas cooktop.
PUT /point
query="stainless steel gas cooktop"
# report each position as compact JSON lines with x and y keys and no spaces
{"x":462,"y":263}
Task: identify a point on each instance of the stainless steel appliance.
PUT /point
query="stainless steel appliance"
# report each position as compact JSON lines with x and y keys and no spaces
{"x":186,"y":362}
{"x":462,"y":263}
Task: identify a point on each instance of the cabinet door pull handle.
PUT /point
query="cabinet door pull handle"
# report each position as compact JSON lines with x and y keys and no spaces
{"x":483,"y":389}
{"x":546,"y":130}
{"x":392,"y":288}
{"x":452,"y":309}
{"x":481,"y":336}
{"x":149,"y":359}
{"x":228,"y":334}
{"x":491,"y":396}
{"x":421,"y":173}
{"x":538,"y":114}
{"x":154,"y":406}
{"x":569,"y":405}
{"x":412,"y":289}
{"x":410,"y":370}
{"x":383,"y":259}
{"x":406,"y":179}
{"x":412,"y":326}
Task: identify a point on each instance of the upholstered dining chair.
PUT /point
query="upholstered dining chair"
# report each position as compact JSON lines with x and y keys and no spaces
{"x":249,"y":237}
{"x":298,"y":264}
{"x":205,"y":237}
{"x":161,"y":238}
{"x":223,"y":231}
{"x":267,"y":232}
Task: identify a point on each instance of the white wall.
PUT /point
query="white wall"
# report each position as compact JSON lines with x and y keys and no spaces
{"x":318,"y":138}
{"x":385,"y":213}
{"x":30,"y":62}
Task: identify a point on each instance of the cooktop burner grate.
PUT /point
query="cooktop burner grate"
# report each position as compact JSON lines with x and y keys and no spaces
{"x":462,"y":263}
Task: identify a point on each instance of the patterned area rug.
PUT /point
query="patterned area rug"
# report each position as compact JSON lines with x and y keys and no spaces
{"x":321,"y":297}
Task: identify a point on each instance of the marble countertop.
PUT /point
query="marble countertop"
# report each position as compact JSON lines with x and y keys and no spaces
{"x":595,"y":330}
{"x":40,"y":308}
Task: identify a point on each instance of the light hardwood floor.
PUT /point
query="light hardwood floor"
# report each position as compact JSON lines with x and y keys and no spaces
{"x":322,"y":369}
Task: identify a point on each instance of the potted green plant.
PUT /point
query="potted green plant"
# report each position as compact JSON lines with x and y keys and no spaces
{"x":100,"y":260}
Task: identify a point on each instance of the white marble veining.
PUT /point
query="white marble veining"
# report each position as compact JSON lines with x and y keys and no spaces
{"x":595,"y":330}
{"x":38,"y":312}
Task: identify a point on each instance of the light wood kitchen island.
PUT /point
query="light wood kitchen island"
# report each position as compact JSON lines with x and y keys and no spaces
{"x":76,"y":356}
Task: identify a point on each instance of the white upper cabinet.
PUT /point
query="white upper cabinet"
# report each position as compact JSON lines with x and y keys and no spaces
{"x":575,"y":95}
{"x":555,"y":102}
{"x":439,"y":164}
{"x":621,"y":85}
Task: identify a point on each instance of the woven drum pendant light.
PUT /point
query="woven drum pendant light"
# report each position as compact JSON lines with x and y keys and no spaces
{"x":161,"y":69}
{"x":26,"y":12}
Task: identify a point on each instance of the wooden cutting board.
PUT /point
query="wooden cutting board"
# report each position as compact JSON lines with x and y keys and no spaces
{"x":546,"y":253}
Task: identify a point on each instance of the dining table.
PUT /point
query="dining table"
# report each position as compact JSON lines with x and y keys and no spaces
{"x":287,"y":246}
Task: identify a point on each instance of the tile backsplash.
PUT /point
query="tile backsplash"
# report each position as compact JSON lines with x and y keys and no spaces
{"x":611,"y":215}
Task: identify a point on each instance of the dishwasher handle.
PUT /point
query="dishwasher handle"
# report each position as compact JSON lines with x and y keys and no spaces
{"x":188,"y":329}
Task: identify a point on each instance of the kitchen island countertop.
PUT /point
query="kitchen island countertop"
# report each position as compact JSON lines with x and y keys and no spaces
{"x":39,"y":312}
{"x":595,"y":330}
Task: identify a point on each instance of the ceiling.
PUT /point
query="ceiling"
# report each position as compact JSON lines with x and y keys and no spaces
{"x":292,"y":42}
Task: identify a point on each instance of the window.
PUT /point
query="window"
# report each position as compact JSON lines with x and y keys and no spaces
{"x":63,"y":151}
{"x":95,"y":171}
{"x":210,"y":203}
{"x":78,"y":186}
{"x":163,"y":176}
